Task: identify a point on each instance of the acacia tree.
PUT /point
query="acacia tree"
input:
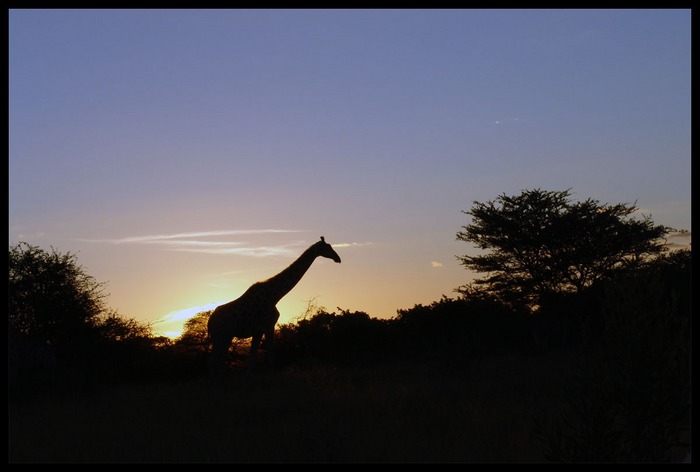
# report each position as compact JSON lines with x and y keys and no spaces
{"x":541,"y":243}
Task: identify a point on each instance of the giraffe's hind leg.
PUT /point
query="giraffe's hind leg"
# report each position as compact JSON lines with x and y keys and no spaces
{"x":254,"y":344}
{"x":218,"y":357}
{"x":269,"y":345}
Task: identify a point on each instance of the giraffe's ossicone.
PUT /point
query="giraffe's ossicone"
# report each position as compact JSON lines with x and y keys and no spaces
{"x":254,"y":314}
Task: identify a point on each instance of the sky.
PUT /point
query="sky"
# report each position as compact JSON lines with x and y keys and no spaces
{"x":182,"y":155}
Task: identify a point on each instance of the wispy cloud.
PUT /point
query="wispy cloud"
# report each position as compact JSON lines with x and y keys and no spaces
{"x":349,"y":244}
{"x":254,"y":251}
{"x":201,"y":242}
{"x":160,"y":238}
{"x":506,"y":121}
{"x":436,"y":264}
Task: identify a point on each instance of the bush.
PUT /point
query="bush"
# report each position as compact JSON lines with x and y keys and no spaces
{"x":631,"y":402}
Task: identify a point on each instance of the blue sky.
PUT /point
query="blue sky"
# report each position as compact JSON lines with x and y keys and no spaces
{"x":140,"y":138}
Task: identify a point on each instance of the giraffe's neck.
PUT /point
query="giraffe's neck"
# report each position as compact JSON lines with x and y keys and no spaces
{"x":279,"y":285}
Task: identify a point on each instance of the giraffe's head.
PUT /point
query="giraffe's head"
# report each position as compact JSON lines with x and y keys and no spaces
{"x":325,"y":250}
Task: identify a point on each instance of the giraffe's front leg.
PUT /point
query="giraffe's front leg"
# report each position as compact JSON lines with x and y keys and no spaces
{"x":270,"y":336}
{"x":270,"y":345}
{"x":218,"y":357}
{"x":254,"y":344}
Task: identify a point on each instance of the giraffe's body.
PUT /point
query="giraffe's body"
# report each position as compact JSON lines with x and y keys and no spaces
{"x":254,"y":313}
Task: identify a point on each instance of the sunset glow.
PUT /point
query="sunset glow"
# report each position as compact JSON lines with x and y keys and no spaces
{"x":183,"y":155}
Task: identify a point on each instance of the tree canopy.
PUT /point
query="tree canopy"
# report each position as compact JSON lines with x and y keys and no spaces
{"x":50,"y":295}
{"x":542,"y":243}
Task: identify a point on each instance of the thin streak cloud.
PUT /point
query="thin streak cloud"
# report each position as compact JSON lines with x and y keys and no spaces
{"x":158,"y":238}
{"x":260,"y":251}
{"x":344,"y":245}
{"x":175,"y":242}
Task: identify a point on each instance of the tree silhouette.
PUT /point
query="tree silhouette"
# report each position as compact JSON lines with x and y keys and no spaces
{"x":542,"y":244}
{"x":51,"y":297}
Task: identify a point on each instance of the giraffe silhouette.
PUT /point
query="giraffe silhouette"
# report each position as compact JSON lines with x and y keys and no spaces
{"x":254,"y":313}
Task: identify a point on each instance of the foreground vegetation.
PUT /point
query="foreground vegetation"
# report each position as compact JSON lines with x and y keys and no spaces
{"x":409,"y":411}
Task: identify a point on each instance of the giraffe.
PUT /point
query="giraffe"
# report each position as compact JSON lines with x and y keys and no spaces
{"x":254,"y":313}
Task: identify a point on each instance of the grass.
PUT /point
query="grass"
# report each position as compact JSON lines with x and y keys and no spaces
{"x":406,"y":412}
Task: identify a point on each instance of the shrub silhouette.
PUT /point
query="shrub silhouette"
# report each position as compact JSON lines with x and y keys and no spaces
{"x":631,"y":402}
{"x":350,"y":337}
{"x":449,"y":330}
{"x":460,"y":328}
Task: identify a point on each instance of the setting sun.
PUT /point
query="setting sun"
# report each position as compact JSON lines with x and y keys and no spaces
{"x":172,"y":324}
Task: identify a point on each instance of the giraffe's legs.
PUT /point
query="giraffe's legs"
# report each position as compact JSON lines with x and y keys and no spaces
{"x":219,"y":354}
{"x":254,"y":344}
{"x":270,"y":346}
